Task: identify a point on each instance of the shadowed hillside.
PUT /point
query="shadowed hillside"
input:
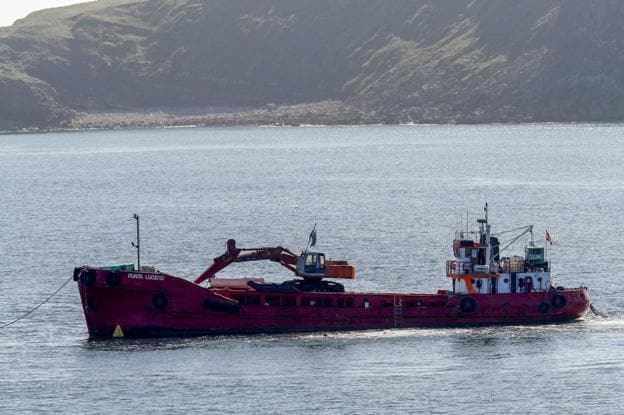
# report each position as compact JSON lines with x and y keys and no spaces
{"x":349,"y":61}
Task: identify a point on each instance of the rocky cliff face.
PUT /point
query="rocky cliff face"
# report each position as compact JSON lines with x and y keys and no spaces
{"x":398,"y":61}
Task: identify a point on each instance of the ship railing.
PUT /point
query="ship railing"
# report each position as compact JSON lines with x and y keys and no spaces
{"x":450,"y":268}
{"x":454,"y":267}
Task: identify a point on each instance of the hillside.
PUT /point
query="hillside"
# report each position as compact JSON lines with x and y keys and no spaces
{"x":250,"y":61}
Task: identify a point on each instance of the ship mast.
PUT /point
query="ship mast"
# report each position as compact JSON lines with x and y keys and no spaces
{"x":484,"y":236}
{"x":138,"y":241}
{"x":488,"y":248}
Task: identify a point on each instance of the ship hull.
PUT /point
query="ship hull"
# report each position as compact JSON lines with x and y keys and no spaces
{"x":136,"y":305}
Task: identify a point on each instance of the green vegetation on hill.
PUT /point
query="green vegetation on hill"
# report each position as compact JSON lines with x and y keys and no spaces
{"x":397,"y":61}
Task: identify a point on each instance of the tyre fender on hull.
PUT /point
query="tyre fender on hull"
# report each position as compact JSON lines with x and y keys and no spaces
{"x":78,"y":273}
{"x":159,"y":301}
{"x":468,"y":305}
{"x":558,"y":301}
{"x":113,"y":279}
{"x":87,"y":276}
{"x":543,"y":308}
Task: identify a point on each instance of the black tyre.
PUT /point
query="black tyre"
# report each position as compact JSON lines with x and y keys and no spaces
{"x":113,"y":279}
{"x":558,"y":301}
{"x":88,"y":277}
{"x":77,"y":273}
{"x":544,"y":308}
{"x":468,"y":305}
{"x":159,"y":301}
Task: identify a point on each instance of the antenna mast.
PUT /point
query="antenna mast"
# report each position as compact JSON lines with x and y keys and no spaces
{"x":137,"y":245}
{"x":486,"y":212}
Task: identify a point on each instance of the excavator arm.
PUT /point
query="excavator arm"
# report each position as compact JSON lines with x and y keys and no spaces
{"x":233,"y":254}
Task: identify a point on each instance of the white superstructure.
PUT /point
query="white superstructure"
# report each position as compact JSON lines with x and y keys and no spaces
{"x":480,"y":267}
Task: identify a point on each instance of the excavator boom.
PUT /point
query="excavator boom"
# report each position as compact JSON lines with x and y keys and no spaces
{"x":233,"y":254}
{"x":308,"y":265}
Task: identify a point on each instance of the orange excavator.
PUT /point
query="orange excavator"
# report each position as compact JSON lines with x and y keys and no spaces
{"x":311,"y":266}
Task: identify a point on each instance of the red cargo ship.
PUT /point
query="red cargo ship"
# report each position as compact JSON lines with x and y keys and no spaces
{"x":486,"y":289}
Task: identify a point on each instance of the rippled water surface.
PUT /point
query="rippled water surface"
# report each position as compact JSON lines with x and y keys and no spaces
{"x":387,"y":198}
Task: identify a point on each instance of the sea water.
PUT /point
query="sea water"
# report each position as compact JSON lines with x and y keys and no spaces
{"x":388,"y":198}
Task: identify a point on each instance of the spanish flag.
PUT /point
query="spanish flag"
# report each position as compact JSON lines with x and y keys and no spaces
{"x":549,"y":237}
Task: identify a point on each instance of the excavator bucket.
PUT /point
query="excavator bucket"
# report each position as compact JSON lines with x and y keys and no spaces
{"x":339,"y":269}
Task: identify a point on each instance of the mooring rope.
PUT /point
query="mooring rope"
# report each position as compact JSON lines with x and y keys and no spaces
{"x":596,"y":312}
{"x":38,"y":305}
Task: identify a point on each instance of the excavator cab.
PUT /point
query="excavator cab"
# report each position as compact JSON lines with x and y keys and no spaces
{"x":311,"y":265}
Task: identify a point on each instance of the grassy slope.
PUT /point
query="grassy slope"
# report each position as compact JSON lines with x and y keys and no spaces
{"x":35,"y":53}
{"x":498,"y":61}
{"x":423,"y":60}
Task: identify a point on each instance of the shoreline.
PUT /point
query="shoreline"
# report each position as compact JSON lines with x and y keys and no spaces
{"x":318,"y":114}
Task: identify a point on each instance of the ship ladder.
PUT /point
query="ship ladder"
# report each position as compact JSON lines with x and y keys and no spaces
{"x":398,"y":312}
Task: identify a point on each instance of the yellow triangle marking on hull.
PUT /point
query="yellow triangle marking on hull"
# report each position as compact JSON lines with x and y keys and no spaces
{"x":118,"y":333}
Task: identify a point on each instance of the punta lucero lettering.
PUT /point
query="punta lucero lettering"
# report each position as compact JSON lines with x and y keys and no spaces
{"x":153,"y":277}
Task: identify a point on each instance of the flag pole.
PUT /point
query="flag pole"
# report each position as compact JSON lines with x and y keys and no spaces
{"x":311,"y":239}
{"x":548,"y":241}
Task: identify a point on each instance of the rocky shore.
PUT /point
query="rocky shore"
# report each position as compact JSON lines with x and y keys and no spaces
{"x":320,"y":113}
